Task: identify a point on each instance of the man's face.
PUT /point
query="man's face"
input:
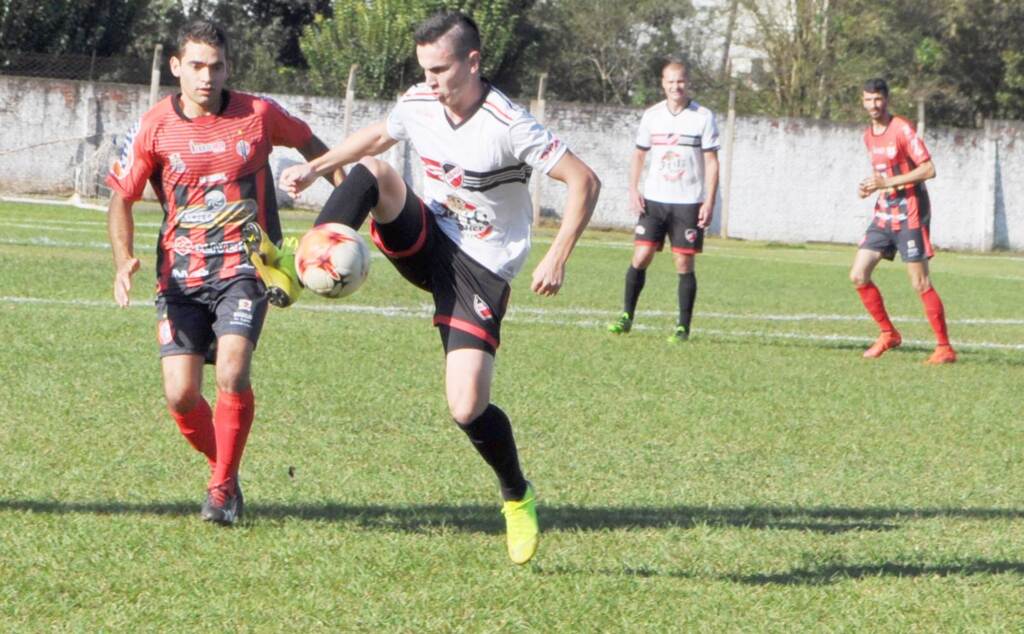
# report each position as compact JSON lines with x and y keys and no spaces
{"x":202,"y":70}
{"x":673,"y":82}
{"x":446,"y":74}
{"x":876,"y":104}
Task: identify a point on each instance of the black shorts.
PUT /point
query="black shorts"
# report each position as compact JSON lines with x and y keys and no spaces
{"x":678,"y":221}
{"x":469,"y":299}
{"x":191,"y":324}
{"x":914,"y":245}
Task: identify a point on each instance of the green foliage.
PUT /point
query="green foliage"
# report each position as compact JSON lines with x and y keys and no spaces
{"x":69,"y":26}
{"x":763,"y":477}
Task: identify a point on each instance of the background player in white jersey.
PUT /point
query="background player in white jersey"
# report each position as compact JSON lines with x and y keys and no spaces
{"x":470,"y":234}
{"x":679,"y":193}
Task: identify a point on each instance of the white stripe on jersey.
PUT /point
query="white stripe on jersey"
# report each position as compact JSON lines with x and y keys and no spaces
{"x":477,"y":172}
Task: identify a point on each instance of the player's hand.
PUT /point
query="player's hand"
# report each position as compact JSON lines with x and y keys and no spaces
{"x":547,"y":277}
{"x":636,"y":203}
{"x":296,"y":178}
{"x":871,"y":184}
{"x":123,"y":282}
{"x":706,"y":213}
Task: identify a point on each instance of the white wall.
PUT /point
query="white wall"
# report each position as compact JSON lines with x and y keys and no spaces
{"x":794,"y":180}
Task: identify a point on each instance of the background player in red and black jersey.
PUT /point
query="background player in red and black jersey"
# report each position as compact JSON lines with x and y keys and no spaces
{"x":901,"y":164}
{"x":205,"y":151}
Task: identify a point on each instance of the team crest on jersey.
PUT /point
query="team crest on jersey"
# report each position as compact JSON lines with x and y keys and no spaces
{"x":177,"y":165}
{"x":215,"y":200}
{"x":126,"y":158}
{"x":245,"y":304}
{"x":453,"y":175}
{"x":890,"y":151}
{"x":483,"y":311}
{"x":690,"y":235}
{"x":672,"y":166}
{"x":243,"y":149}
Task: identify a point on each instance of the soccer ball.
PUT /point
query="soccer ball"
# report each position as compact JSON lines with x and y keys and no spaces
{"x":332,"y":260}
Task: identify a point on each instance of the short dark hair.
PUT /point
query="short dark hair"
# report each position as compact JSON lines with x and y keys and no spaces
{"x":877,"y":85}
{"x":464,"y":32}
{"x":204,"y":32}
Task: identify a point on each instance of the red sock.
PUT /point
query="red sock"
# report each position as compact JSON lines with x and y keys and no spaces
{"x":872,"y":299}
{"x":197,"y":428}
{"x":232,"y":422}
{"x":936,"y":315}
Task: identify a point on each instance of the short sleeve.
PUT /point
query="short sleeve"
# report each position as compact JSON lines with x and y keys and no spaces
{"x":709,"y":137}
{"x":912,"y":144}
{"x":396,"y":122}
{"x":135,"y":163}
{"x":534,"y":144}
{"x":285,"y":129}
{"x":643,"y":133}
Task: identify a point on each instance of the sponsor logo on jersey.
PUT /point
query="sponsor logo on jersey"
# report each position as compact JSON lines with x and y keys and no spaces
{"x":550,"y":148}
{"x":177,"y":165}
{"x":164,"y":332}
{"x":126,"y":158}
{"x":213,"y":179}
{"x":215,"y":200}
{"x":213,"y":147}
{"x":468,"y":216}
{"x":243,"y":149}
{"x":672,"y":166}
{"x":196,"y":217}
{"x":453,"y":175}
{"x":483,"y":311}
{"x":182,"y":246}
{"x":890,"y":151}
{"x":690,"y":235}
{"x":198,"y":273}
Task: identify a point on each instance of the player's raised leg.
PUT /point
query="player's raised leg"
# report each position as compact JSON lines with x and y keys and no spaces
{"x":933,"y":310}
{"x":864,"y":264}
{"x":468,"y":374}
{"x":372,"y":185}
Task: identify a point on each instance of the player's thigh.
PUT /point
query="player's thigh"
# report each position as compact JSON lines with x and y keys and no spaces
{"x":183,"y":380}
{"x":918,"y":274}
{"x":864,"y":263}
{"x":390,"y":189}
{"x":643,"y":254}
{"x":410,"y":241}
{"x":240,"y":310}
{"x":234,"y":360}
{"x":468,"y":374}
{"x":686,"y":237}
{"x":649,"y":233}
{"x":469,"y":300}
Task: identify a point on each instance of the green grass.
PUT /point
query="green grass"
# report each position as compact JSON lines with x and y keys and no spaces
{"x":762,"y":477}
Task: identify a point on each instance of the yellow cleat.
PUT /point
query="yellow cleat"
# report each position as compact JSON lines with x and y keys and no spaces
{"x":521,"y":527}
{"x":274,"y":264}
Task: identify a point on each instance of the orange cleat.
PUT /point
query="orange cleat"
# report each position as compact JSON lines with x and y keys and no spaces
{"x":942,"y":354}
{"x":888,"y":340}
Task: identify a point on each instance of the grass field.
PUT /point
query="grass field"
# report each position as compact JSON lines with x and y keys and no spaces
{"x":762,"y":477}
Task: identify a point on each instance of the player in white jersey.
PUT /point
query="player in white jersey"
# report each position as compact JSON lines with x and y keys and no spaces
{"x":679,"y":193}
{"x":470,"y":233}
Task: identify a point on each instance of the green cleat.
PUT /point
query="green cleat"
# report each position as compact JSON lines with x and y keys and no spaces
{"x":275,"y":264}
{"x":680,"y":335}
{"x":521,"y":527}
{"x":622,"y":326}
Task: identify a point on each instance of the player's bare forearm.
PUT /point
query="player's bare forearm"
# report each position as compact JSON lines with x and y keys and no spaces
{"x":584,"y":187}
{"x":636,"y":168}
{"x":368,"y":141}
{"x":314,"y":149}
{"x":711,"y":169}
{"x":120,"y":229}
{"x":919,"y":174}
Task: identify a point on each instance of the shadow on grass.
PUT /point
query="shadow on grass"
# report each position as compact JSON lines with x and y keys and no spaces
{"x":835,"y":573}
{"x":486,"y":519}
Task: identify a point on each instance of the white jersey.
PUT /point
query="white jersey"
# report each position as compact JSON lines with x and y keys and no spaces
{"x":676,"y":143}
{"x":476,"y":173}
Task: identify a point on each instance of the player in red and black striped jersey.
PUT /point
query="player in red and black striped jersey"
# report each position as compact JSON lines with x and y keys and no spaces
{"x":205,"y":151}
{"x":901,"y":164}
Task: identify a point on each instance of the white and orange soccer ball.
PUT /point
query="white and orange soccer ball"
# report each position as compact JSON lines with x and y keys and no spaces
{"x":332,"y":260}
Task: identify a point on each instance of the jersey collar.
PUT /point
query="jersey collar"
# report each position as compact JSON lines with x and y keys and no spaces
{"x":225,"y":96}
{"x":475,"y":109}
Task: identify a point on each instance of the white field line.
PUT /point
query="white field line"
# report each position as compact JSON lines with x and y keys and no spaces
{"x":547,"y":317}
{"x":67,"y":202}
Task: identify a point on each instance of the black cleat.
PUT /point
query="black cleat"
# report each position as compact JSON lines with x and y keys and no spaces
{"x":223,"y":506}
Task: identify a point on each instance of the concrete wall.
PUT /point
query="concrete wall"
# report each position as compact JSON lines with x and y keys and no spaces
{"x":793,"y":180}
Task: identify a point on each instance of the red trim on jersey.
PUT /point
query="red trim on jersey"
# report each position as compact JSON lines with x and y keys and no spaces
{"x":467,"y":327}
{"x":416,"y":246}
{"x":498,"y":111}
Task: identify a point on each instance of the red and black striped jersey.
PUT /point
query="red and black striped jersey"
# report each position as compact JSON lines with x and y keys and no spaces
{"x":211,"y":175}
{"x":898,"y":150}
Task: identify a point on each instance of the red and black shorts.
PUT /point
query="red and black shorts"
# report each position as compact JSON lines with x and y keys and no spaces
{"x":469,"y":299}
{"x":191,"y":324}
{"x":914,"y":245}
{"x":678,"y":221}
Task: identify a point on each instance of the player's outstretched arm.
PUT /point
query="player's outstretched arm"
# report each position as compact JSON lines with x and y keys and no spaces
{"x":314,"y":149}
{"x":583,"y":190}
{"x":121,"y":229}
{"x":369,"y":141}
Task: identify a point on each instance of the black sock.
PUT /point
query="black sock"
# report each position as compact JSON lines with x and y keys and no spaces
{"x":491,"y":434}
{"x":351,"y":201}
{"x":687,"y":296}
{"x":635,"y":279}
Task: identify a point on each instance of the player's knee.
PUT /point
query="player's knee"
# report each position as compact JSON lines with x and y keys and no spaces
{"x":182,"y":399}
{"x":921,"y":284}
{"x":232,"y":380}
{"x":465,"y":411}
{"x":375,"y":166}
{"x":859,"y":278}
